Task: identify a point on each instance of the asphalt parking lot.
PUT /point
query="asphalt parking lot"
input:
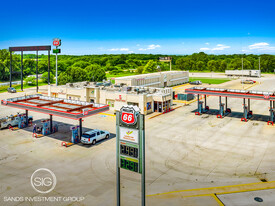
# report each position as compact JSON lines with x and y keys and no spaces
{"x":183,"y":152}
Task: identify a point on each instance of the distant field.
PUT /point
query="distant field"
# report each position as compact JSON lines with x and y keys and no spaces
{"x":110,"y":76}
{"x":209,"y":80}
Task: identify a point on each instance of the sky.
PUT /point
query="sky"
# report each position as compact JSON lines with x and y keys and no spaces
{"x":152,"y":26}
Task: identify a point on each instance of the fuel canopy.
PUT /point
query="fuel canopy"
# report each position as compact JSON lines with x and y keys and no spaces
{"x":72,"y":109}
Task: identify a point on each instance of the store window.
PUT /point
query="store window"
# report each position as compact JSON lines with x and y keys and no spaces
{"x":110,"y":103}
{"x":149,"y":106}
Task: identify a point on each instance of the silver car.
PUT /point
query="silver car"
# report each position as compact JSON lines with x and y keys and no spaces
{"x":93,"y":136}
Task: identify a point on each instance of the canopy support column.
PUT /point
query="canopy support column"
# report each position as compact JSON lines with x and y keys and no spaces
{"x":51,"y":123}
{"x":27,"y":117}
{"x":37,"y":71}
{"x":21,"y":70}
{"x":80,"y":128}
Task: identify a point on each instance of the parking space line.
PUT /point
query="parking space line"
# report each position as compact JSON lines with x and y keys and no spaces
{"x":108,"y":114}
{"x":217,"y":199}
{"x":219,"y":190}
{"x":182,"y":85}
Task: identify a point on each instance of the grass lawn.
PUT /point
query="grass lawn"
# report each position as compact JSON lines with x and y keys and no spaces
{"x":18,"y":87}
{"x":109,"y":76}
{"x":209,"y":80}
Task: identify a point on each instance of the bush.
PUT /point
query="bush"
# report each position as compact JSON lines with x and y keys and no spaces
{"x":30,"y":80}
{"x":140,"y":69}
{"x":44,"y":77}
{"x":4,"y":88}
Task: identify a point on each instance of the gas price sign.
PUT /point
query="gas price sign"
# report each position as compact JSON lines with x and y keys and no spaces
{"x":129,"y":139}
{"x":129,"y":164}
{"x":130,"y":142}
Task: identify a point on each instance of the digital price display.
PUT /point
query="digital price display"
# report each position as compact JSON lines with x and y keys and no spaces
{"x":129,"y":151}
{"x":129,"y":165}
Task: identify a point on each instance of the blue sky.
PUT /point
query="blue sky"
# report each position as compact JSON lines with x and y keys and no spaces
{"x":158,"y":27}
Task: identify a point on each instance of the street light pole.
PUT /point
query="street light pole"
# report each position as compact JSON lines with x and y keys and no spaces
{"x":242,"y":71}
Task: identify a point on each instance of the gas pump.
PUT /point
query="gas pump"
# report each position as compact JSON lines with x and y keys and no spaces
{"x":55,"y":128}
{"x":75,"y":137}
{"x":247,"y":114}
{"x":46,"y":127}
{"x":271,"y":118}
{"x":221,"y":111}
{"x":22,"y":122}
{"x":201,"y":109}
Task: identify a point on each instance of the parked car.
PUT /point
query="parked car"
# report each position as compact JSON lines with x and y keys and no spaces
{"x":11,"y":90}
{"x":93,"y":136}
{"x":252,"y":80}
{"x":248,"y":81}
{"x":196,"y":82}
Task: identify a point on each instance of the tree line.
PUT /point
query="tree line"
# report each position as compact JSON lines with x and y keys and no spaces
{"x":72,"y":68}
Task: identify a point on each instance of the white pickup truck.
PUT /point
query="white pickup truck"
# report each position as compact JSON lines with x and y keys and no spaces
{"x":12,"y":120}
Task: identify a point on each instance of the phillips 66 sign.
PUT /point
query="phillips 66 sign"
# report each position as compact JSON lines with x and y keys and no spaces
{"x":57,"y":42}
{"x":129,"y":115}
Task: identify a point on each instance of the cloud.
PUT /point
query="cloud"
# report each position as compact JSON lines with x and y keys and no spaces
{"x":119,"y":49}
{"x":124,"y":49}
{"x":138,"y":44}
{"x":220,"y":47}
{"x":204,"y":49}
{"x":261,"y":46}
{"x":150,"y":47}
{"x":153,"y":46}
{"x":207,"y":43}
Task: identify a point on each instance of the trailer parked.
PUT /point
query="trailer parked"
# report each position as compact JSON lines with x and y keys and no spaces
{"x":246,"y":73}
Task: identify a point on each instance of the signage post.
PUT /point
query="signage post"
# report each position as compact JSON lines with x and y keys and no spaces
{"x":57,"y":43}
{"x":166,"y":59}
{"x":130,"y":143}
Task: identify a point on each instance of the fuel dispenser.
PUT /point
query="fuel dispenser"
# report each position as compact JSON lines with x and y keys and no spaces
{"x":246,"y":111}
{"x":75,"y":136}
{"x":21,"y":121}
{"x":46,"y":127}
{"x":272,"y":115}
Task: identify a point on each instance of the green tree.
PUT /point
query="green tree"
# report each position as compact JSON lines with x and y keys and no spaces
{"x":185,"y":64}
{"x":95,"y":73}
{"x":200,"y":65}
{"x":78,"y":74}
{"x":64,"y":78}
{"x":44,"y":77}
{"x":150,"y":67}
{"x":236,"y":64}
{"x":81,"y":64}
{"x":211,"y":65}
{"x":30,"y":80}
{"x":140,"y":69}
{"x":223,"y":65}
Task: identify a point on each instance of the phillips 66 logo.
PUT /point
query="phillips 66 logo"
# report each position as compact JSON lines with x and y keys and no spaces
{"x":128,"y":115}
